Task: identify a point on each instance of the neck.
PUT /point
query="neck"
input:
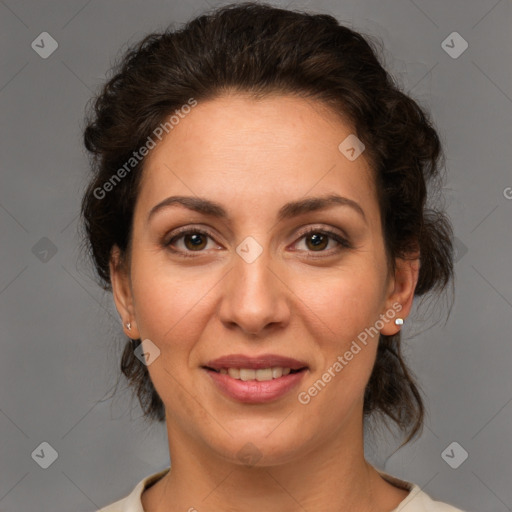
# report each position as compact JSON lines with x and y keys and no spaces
{"x":332,"y":477}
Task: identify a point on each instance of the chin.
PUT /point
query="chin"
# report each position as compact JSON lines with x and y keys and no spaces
{"x":261,"y":449}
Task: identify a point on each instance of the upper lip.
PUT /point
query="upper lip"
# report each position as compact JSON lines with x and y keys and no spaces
{"x":256,"y":362}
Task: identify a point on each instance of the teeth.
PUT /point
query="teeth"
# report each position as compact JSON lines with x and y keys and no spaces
{"x":262,"y":374}
{"x":234,"y":372}
{"x":277,"y":372}
{"x":247,"y":374}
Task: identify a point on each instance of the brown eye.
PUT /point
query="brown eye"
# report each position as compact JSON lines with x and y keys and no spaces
{"x":318,"y":241}
{"x":195,"y":241}
{"x":188,"y":241}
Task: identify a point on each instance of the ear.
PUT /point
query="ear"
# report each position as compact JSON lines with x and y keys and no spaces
{"x":122,"y":292}
{"x":400,"y":292}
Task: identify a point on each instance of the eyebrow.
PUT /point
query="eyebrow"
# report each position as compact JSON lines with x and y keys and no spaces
{"x":287,"y":211}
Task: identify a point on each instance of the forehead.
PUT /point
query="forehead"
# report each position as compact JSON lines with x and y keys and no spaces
{"x":255,"y":152}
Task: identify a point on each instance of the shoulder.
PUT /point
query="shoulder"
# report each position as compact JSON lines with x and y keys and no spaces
{"x":132,"y":502}
{"x":417,"y":500}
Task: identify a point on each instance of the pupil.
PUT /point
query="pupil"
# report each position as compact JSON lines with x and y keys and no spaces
{"x":196,"y":241}
{"x":317,"y":239}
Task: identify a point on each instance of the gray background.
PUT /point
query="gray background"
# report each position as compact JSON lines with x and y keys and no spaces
{"x":60,"y":335}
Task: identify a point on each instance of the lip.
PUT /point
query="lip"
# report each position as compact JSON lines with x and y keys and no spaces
{"x":256,"y":362}
{"x":253,"y":391}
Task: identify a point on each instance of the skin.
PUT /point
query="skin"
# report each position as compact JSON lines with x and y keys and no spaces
{"x":252,"y":157}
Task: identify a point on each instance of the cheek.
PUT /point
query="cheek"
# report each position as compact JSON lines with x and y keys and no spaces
{"x":343,"y":308}
{"x":168,"y":302}
{"x":171,"y":312}
{"x":344,"y":301}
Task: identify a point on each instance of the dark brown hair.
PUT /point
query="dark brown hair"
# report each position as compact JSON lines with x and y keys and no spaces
{"x":259,"y":49}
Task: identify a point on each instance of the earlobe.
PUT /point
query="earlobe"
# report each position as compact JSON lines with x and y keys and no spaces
{"x":122,"y":293}
{"x":400,"y":299}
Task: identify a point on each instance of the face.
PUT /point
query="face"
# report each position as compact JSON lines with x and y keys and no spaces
{"x":246,"y":275}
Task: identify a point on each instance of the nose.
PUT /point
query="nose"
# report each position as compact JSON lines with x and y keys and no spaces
{"x":255,"y":297}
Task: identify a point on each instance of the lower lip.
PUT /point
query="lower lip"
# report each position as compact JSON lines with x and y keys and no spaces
{"x":254,"y":391}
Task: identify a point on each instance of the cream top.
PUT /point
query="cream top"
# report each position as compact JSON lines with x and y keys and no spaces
{"x":416,"y":501}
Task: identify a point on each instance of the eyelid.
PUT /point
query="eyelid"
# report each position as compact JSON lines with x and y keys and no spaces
{"x":180,"y":232}
{"x":319,"y":228}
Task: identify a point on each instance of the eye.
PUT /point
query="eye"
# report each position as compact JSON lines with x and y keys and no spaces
{"x":316,"y":240}
{"x":194,"y":240}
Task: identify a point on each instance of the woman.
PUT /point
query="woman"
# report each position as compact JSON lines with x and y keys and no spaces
{"x":258,"y":209}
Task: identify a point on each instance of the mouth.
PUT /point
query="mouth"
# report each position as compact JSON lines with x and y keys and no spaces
{"x":260,"y":374}
{"x":254,"y":380}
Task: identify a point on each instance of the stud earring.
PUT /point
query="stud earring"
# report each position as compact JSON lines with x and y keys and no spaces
{"x":129,"y":326}
{"x":399,"y":321}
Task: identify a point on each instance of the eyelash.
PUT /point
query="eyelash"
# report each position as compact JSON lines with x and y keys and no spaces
{"x":344,"y":243}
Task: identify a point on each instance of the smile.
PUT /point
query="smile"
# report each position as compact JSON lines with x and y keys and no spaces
{"x":260,"y":375}
{"x":251,"y":386}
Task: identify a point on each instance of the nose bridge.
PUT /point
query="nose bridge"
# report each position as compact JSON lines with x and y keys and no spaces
{"x":254,"y":297}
